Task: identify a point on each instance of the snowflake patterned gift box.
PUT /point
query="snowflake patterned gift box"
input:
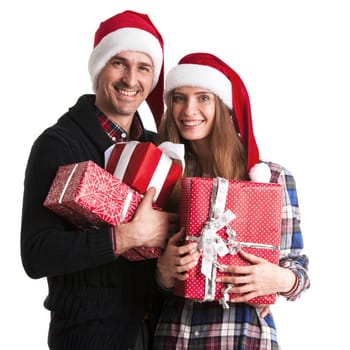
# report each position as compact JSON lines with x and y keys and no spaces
{"x":142,"y":165}
{"x":87,"y":195}
{"x":224,"y":216}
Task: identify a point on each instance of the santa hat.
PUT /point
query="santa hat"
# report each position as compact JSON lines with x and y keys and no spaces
{"x":209,"y":72}
{"x":130,"y":31}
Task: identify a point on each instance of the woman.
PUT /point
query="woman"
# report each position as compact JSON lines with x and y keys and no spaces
{"x":208,"y":110}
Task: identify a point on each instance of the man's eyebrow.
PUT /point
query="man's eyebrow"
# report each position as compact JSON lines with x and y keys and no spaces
{"x":118,"y":57}
{"x":121,"y":58}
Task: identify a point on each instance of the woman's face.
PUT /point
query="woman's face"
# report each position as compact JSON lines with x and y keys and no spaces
{"x":193,"y":112}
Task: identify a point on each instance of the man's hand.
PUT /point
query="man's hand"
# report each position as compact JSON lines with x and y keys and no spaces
{"x":148,"y":228}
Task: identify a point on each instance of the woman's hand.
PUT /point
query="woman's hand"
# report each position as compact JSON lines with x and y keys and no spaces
{"x":176,"y":260}
{"x":259,"y":278}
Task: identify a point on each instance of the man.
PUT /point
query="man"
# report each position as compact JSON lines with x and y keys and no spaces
{"x":97,"y":299}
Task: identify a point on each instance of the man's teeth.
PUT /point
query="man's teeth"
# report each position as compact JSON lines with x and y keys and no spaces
{"x":127,"y":92}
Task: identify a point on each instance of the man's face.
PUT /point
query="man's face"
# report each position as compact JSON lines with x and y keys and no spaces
{"x":124,"y":83}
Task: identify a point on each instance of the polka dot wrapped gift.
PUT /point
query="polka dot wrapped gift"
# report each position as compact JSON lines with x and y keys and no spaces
{"x":225,"y":216}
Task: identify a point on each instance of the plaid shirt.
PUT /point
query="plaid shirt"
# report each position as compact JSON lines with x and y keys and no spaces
{"x":186,"y":324}
{"x":115,"y":132}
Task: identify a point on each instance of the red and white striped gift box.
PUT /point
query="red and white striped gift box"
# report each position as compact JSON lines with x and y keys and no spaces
{"x":142,"y":165}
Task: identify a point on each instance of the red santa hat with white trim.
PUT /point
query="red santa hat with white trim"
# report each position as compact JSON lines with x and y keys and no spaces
{"x":130,"y":31}
{"x":209,"y":72}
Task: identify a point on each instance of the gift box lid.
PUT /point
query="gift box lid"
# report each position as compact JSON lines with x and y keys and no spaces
{"x":142,"y":165}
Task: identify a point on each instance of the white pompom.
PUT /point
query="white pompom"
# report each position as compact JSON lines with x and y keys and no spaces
{"x":260,"y":172}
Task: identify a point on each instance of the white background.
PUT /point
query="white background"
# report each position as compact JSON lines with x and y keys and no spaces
{"x":294,"y":59}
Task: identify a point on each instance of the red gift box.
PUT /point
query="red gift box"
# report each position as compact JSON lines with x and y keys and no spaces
{"x":142,"y":165}
{"x":89,"y":196}
{"x":225,"y":216}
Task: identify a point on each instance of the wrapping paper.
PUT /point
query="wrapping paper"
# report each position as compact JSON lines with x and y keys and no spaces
{"x":225,"y":216}
{"x":142,"y":253}
{"x":89,"y":196}
{"x":142,"y":165}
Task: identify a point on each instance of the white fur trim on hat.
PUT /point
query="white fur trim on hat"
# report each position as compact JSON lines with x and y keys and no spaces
{"x":260,"y":172}
{"x":125,"y":39}
{"x":200,"y":76}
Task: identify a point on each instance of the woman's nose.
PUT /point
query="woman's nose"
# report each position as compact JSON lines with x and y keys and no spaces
{"x":191,"y":108}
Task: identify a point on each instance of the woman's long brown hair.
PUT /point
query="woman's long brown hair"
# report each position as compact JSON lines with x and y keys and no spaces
{"x":227,"y":153}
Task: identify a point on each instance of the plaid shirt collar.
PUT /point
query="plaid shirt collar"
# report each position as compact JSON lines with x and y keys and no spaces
{"x":117,"y":133}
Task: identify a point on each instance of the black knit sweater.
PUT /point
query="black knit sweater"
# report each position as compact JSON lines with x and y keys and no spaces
{"x":96,"y":301}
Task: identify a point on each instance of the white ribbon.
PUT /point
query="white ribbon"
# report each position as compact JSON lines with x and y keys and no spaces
{"x":67,"y":183}
{"x":126,"y":205}
{"x":210,"y":243}
{"x":125,"y":155}
{"x":175,"y":151}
